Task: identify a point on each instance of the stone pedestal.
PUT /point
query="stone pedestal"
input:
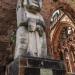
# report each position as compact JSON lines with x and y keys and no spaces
{"x":36,"y":66}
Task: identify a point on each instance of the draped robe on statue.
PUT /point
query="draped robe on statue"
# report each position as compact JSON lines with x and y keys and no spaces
{"x":30,"y":35}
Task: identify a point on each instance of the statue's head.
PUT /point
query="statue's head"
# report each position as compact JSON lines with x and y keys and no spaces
{"x":34,"y":5}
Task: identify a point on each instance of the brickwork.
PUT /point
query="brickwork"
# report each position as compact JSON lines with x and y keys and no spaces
{"x":8,"y":17}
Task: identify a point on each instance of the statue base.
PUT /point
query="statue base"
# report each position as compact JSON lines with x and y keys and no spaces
{"x":36,"y":66}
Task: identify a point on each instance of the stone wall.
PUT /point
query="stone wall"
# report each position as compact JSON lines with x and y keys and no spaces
{"x":8,"y":18}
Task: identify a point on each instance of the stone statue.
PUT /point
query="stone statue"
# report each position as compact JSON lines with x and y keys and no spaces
{"x":30,"y":34}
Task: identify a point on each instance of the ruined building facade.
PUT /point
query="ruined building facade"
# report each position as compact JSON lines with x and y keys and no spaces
{"x":59,"y":17}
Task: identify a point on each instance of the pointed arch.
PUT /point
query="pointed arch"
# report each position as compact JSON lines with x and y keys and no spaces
{"x":57,"y":33}
{"x":59,"y":24}
{"x":66,"y":20}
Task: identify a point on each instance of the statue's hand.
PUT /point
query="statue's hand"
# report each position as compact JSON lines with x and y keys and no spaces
{"x":40,"y":30}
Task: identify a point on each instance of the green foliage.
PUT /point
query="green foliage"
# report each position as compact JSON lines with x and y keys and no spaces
{"x":13,"y":37}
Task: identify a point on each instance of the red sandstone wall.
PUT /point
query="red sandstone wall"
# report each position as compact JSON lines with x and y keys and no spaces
{"x":8,"y":16}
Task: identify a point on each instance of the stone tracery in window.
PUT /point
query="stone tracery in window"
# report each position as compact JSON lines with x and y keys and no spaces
{"x":55,"y":17}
